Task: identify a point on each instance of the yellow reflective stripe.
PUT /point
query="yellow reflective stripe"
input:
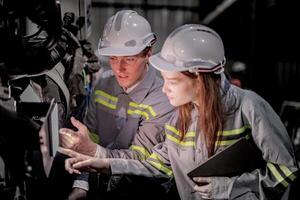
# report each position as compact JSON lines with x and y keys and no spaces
{"x":287,"y":172}
{"x":190,"y":134}
{"x":161,"y":168}
{"x":149,"y":108}
{"x":234,"y":131}
{"x":277,"y":175}
{"x":159,"y":165}
{"x":138,"y":112}
{"x":112,"y":106}
{"x":177,"y":132}
{"x":171,"y":128}
{"x":172,"y":138}
{"x":187,"y":143}
{"x":140,"y":149}
{"x":225,"y":142}
{"x":228,"y":142}
{"x":108,"y":96}
{"x":94,"y":137}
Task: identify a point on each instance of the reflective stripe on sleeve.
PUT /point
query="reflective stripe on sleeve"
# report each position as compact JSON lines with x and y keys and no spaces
{"x":141,"y":150}
{"x":156,"y":162}
{"x":287,"y":172}
{"x":279,"y":174}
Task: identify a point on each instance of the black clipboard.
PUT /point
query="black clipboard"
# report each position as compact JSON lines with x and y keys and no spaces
{"x":240,"y":157}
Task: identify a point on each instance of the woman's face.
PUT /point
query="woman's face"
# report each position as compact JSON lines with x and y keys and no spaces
{"x":179,"y":88}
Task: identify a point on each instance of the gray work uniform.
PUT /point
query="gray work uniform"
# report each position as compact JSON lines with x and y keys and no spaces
{"x":127,"y":125}
{"x":248,"y":116}
{"x":135,"y":120}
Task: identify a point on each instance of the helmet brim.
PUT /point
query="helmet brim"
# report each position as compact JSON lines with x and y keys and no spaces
{"x":124,"y":51}
{"x":161,"y":64}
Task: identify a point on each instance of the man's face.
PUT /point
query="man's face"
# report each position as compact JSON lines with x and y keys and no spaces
{"x":128,"y":70}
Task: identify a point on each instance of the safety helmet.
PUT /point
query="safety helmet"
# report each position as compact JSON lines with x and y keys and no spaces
{"x":191,"y":47}
{"x":125,"y":34}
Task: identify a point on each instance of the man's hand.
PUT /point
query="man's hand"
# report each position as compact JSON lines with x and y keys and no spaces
{"x":77,"y":140}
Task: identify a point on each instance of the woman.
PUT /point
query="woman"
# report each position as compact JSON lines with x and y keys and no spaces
{"x":211,"y":115}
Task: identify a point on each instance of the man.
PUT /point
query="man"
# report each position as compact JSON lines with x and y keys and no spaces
{"x":128,"y":110}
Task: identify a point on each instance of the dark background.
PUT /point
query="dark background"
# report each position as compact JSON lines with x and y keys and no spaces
{"x":265,"y":35}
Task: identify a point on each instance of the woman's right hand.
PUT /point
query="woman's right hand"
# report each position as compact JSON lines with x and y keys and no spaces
{"x":79,"y":162}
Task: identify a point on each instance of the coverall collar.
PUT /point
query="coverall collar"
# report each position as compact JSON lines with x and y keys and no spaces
{"x":225,"y":85}
{"x":117,"y":88}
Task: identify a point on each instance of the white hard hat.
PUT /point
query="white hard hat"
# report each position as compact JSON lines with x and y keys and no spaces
{"x":191,"y":47}
{"x":125,"y":34}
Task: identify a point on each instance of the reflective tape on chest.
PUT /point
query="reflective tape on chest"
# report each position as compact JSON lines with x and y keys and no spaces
{"x":122,"y":106}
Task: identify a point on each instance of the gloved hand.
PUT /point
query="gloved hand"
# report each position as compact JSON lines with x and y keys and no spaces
{"x":78,"y":194}
{"x":77,"y":140}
